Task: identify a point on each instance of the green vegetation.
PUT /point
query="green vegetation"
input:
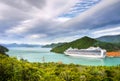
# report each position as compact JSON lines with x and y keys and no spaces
{"x":12,"y":69}
{"x":3,"y":50}
{"x":85,"y":42}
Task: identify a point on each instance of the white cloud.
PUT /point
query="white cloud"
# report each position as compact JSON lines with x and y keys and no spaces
{"x":36,"y":36}
{"x":110,"y":31}
{"x":107,"y":30}
{"x":62,"y":19}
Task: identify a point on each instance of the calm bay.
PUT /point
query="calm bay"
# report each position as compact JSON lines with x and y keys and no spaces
{"x":38,"y":54}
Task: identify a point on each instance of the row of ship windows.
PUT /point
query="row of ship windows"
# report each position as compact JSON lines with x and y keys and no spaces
{"x":84,"y":53}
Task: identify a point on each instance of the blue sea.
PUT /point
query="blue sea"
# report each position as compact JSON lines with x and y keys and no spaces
{"x":38,"y":54}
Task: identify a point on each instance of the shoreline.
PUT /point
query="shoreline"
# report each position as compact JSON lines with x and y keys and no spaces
{"x":113,"y":54}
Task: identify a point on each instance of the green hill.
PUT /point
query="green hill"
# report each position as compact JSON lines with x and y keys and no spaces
{"x":85,"y":42}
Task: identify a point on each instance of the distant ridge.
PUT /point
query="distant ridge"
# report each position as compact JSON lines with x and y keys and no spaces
{"x":110,"y":38}
{"x":20,"y":45}
{"x":85,"y":42}
{"x":52,"y":45}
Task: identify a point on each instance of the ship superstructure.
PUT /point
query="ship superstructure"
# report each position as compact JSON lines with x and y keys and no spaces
{"x":94,"y":52}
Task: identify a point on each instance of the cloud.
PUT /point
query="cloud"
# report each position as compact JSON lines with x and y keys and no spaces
{"x":100,"y":16}
{"x":36,"y":36}
{"x":29,"y":18}
{"x":25,"y":5}
{"x":43,"y":21}
{"x":111,"y":31}
{"x":79,"y":7}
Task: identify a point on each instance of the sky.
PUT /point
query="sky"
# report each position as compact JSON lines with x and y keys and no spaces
{"x":52,"y":21}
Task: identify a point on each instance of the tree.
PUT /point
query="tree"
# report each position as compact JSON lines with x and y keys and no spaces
{"x":3,"y":50}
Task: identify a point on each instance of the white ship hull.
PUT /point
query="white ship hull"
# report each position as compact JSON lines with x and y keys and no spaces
{"x":87,"y":56}
{"x":92,"y":52}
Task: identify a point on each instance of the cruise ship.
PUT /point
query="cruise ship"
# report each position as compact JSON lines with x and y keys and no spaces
{"x":92,"y":52}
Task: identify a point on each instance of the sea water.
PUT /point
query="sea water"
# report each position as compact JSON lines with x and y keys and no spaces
{"x":38,"y":54}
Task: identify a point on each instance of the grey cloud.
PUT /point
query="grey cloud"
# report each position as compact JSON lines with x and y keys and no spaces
{"x":109,"y":15}
{"x":43,"y":26}
{"x":83,"y":24}
{"x":25,"y":5}
{"x":91,"y":20}
{"x":37,"y":3}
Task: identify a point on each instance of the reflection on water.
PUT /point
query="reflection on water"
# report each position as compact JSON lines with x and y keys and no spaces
{"x":38,"y":54}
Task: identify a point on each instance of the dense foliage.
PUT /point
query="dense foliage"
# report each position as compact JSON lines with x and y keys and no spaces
{"x":86,"y":42}
{"x":12,"y":69}
{"x":3,"y":50}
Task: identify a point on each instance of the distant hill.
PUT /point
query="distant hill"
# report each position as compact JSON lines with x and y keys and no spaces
{"x":111,"y":39}
{"x":52,"y":45}
{"x":20,"y":45}
{"x":85,"y":42}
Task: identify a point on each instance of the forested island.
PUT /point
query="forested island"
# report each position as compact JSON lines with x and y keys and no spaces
{"x":86,"y":42}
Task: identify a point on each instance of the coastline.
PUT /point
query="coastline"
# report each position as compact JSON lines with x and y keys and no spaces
{"x":113,"y":54}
